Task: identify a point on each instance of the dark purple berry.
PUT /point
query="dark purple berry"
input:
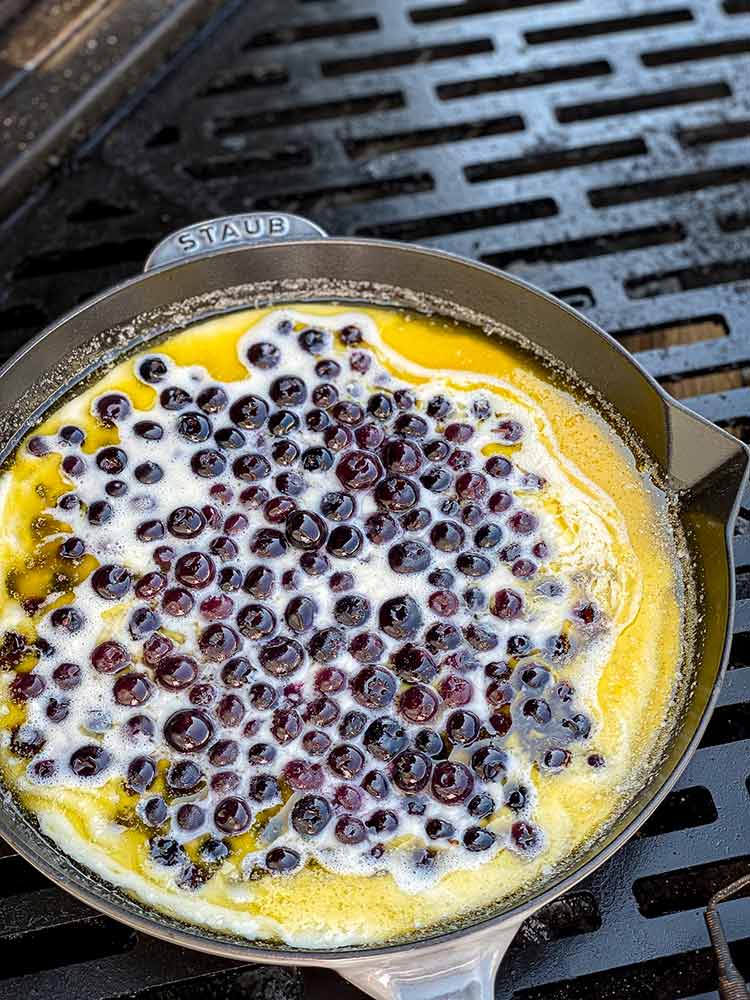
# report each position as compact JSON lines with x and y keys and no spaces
{"x":451,"y":782}
{"x":89,"y":761}
{"x":188,"y":730}
{"x":263,"y":355}
{"x":374,"y":687}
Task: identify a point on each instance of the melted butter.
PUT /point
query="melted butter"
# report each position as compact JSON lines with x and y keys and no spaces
{"x":637,"y":583}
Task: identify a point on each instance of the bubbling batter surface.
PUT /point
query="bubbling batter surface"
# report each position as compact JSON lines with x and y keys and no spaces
{"x":330,"y":625}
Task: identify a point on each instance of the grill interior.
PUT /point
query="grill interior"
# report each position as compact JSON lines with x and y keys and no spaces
{"x":598,"y":148}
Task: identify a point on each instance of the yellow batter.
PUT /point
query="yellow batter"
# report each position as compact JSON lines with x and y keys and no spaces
{"x":316,"y":907}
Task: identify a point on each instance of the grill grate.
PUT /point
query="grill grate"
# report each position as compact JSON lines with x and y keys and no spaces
{"x":598,"y":148}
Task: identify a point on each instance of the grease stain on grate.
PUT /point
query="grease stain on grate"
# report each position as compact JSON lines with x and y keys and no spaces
{"x":522,"y":79}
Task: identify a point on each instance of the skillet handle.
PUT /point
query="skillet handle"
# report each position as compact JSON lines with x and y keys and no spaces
{"x":464,"y":969}
{"x":228,"y":231}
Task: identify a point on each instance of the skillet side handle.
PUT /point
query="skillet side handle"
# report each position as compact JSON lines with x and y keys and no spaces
{"x":460,"y":970}
{"x":229,"y":231}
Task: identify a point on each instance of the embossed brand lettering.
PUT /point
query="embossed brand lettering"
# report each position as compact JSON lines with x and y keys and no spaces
{"x":230,"y":233}
{"x":278,"y":226}
{"x":245,"y":229}
{"x":252,"y":225}
{"x":187,"y":242}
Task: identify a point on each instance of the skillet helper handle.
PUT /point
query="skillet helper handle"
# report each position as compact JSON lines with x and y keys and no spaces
{"x":229,"y":231}
{"x":464,"y":969}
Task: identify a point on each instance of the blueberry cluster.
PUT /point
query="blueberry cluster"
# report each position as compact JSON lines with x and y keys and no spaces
{"x":345,"y":647}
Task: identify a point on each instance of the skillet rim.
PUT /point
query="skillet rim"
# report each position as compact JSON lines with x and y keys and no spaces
{"x":201,"y":939}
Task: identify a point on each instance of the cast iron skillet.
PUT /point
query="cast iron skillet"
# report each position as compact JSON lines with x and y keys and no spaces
{"x":257,"y":259}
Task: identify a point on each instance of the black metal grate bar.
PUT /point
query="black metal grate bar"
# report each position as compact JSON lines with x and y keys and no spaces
{"x":598,"y":148}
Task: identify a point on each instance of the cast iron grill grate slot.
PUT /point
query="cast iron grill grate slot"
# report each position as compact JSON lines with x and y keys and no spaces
{"x":312,"y":32}
{"x":255,"y":981}
{"x":729,"y":723}
{"x":668,"y":978}
{"x":592,"y":246}
{"x":17,"y":875}
{"x":167,"y":136}
{"x":308,"y":113}
{"x":232,"y":81}
{"x":472,"y":8}
{"x":578,"y":156}
{"x":580,"y":298}
{"x":520,"y":80}
{"x":719,"y":378}
{"x":740,"y":654}
{"x":664,"y":187}
{"x":661,"y":335}
{"x":330,"y":107}
{"x":720,"y":132}
{"x":691,"y":53}
{"x":86,"y":258}
{"x":609,"y":26}
{"x":687,"y":278}
{"x":360,"y":149}
{"x":58,"y":947}
{"x":572,"y":914}
{"x":437,"y":225}
{"x":733,"y":222}
{"x":688,"y":889}
{"x":405,"y":57}
{"x":95,"y":210}
{"x":654,"y":101}
{"x":236,"y":166}
{"x":681,"y":810}
{"x":348,"y":193}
